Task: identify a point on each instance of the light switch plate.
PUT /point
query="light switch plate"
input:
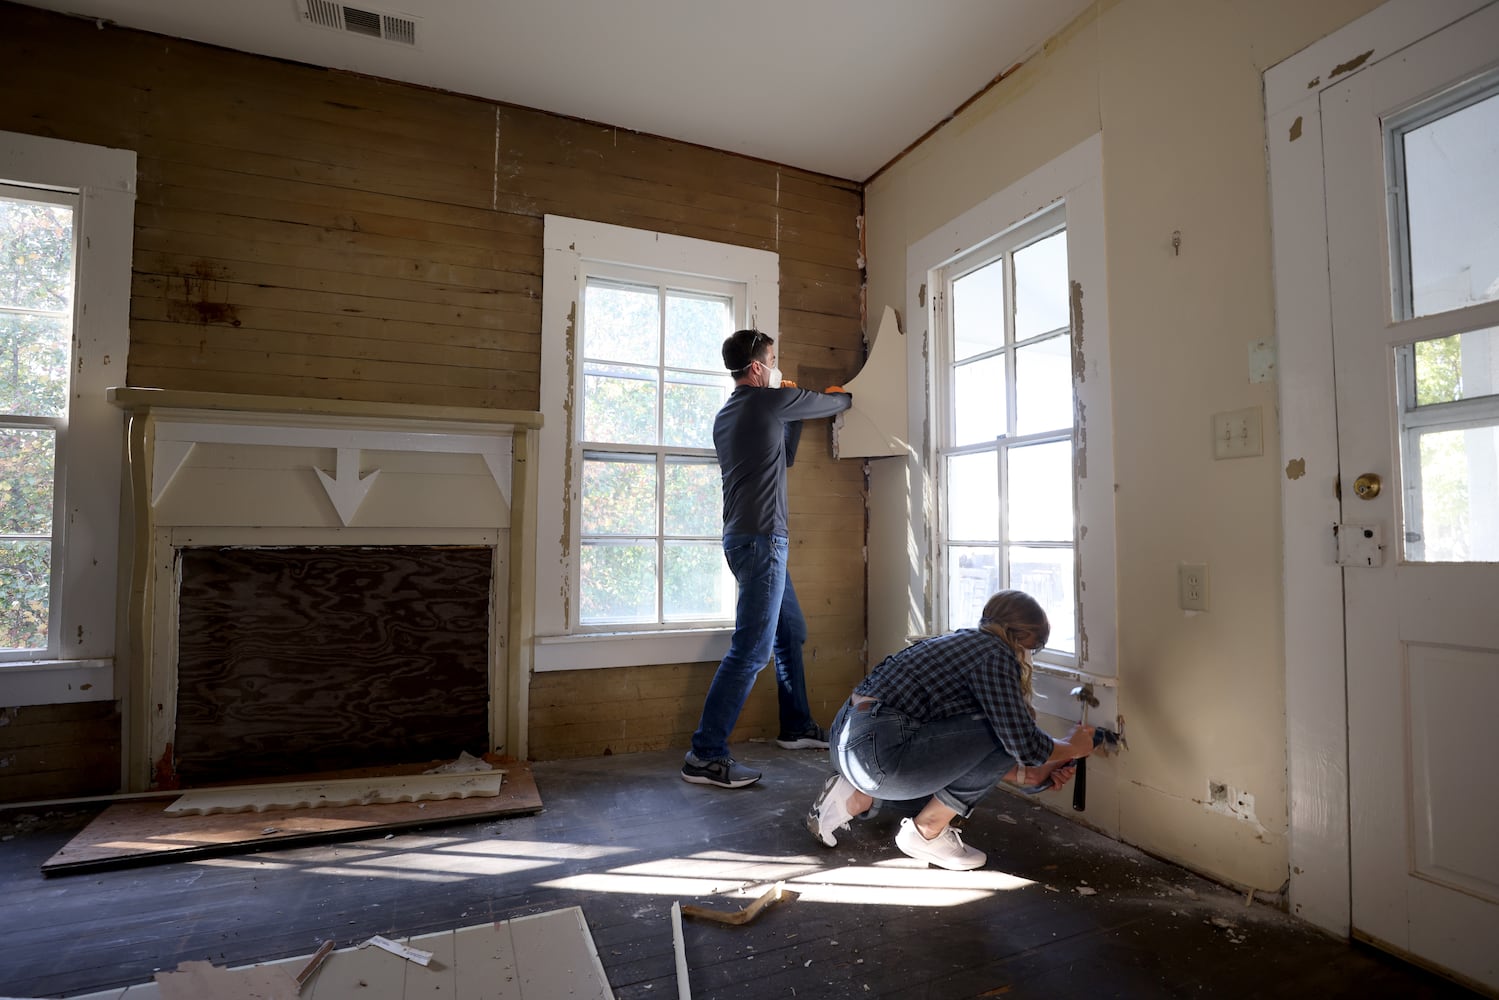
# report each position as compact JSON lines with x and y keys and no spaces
{"x":1237,"y":434}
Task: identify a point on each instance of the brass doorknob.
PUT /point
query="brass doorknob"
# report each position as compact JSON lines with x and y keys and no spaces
{"x":1367,"y":486}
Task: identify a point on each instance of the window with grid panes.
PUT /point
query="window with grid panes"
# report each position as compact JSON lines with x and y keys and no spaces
{"x":1007,"y":514}
{"x":36,"y":335}
{"x":650,"y":510}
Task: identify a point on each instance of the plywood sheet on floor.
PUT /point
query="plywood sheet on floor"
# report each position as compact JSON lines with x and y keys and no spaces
{"x":140,"y":832}
{"x":538,"y":957}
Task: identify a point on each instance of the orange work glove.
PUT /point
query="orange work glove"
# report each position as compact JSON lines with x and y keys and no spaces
{"x":786,"y":383}
{"x":835,"y":388}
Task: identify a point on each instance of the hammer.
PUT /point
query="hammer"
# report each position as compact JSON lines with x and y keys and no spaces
{"x":1084,"y":694}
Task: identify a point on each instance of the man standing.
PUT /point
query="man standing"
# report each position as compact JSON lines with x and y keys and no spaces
{"x":756,"y":434}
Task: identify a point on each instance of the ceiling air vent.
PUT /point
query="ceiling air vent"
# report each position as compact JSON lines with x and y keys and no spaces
{"x":380,"y":24}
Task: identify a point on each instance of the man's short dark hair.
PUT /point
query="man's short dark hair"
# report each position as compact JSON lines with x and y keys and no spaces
{"x":743,"y":348}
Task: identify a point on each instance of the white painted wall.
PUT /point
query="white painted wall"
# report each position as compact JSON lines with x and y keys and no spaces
{"x":1175,"y":88}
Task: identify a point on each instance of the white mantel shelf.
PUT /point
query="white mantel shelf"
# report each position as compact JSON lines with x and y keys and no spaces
{"x":142,"y":400}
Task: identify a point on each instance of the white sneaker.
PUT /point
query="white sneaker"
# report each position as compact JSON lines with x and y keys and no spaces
{"x":946,"y":850}
{"x":830,"y":811}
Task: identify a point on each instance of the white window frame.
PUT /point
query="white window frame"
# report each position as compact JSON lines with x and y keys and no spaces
{"x":79,"y":666}
{"x":1073,"y":181}
{"x":571,"y":247}
{"x":1001,"y":250}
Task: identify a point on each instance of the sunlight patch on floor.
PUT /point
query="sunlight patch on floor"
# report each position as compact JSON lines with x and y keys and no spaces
{"x":894,"y":883}
{"x":405,"y":876}
{"x":450,"y":864}
{"x":538,"y":849}
{"x":648,"y":885}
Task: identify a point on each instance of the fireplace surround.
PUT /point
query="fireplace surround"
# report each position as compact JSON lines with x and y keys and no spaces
{"x":336,"y":583}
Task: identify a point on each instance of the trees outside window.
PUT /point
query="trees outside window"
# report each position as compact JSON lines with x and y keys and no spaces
{"x":649,"y":522}
{"x":36,"y":324}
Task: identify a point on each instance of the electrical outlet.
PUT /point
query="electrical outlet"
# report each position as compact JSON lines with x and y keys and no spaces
{"x":1192,"y":586}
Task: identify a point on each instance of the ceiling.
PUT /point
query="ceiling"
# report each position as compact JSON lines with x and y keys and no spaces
{"x":839,"y":87}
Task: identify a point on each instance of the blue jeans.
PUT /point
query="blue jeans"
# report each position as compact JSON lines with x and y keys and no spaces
{"x":889,"y":755}
{"x":767,"y":619}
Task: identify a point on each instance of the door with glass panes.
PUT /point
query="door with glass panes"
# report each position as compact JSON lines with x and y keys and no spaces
{"x":1412,"y":180}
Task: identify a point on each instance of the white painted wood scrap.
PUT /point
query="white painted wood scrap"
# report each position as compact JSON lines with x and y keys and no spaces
{"x":557,"y":957}
{"x":684,"y":991}
{"x":486,"y":963}
{"x":336,"y":792}
{"x":875,"y":425}
{"x":540,"y":957}
{"x":418,"y":955}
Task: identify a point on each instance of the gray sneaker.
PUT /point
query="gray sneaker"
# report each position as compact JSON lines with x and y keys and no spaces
{"x":725,"y":772}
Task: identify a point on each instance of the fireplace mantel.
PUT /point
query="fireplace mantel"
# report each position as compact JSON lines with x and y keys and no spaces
{"x":219,"y":469}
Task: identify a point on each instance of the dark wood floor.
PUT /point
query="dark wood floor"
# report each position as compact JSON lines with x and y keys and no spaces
{"x":623,"y":838}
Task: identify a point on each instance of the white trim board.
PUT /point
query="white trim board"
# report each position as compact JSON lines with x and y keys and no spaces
{"x":1076,"y":179}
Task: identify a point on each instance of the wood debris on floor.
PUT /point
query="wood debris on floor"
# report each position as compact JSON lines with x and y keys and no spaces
{"x":336,"y":792}
{"x":141,"y":831}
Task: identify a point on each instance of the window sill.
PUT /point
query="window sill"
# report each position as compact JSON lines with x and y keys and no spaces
{"x":599,"y":650}
{"x":56,"y":682}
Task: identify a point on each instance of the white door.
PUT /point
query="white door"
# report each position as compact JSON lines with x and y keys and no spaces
{"x":1411,"y":147}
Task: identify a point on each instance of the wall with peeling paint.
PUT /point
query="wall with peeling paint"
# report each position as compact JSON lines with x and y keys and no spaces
{"x":1175,"y":88}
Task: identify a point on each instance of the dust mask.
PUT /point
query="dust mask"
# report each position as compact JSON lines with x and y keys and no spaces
{"x":773,"y":378}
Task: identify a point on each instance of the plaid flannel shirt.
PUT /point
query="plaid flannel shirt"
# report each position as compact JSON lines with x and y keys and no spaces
{"x":967,"y":672}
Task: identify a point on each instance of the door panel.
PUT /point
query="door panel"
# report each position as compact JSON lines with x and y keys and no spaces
{"x":1422,"y":622}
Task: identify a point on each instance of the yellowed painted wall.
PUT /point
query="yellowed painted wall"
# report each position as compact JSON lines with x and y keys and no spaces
{"x":1175,"y":88}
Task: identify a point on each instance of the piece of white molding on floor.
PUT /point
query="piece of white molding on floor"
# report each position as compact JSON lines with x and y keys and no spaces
{"x":679,"y":945}
{"x":206,"y":981}
{"x":485,"y":962}
{"x":539,"y":957}
{"x":405,"y":951}
{"x":875,"y":426}
{"x":336,"y":792}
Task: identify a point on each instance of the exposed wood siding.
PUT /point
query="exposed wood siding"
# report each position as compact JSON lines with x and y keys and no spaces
{"x":59,"y":751}
{"x":307,"y":232}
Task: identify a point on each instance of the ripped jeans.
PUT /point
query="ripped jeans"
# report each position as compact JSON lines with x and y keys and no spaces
{"x":889,"y":755}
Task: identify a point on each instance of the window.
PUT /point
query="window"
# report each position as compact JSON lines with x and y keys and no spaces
{"x":1018,"y":485}
{"x":1006,"y":440}
{"x":1441,"y":158}
{"x":630,"y":566}
{"x":36,"y":333}
{"x":66,"y":224}
{"x":649,"y":519}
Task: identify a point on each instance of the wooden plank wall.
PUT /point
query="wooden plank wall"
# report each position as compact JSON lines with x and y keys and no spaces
{"x":57,"y":751}
{"x":307,"y":232}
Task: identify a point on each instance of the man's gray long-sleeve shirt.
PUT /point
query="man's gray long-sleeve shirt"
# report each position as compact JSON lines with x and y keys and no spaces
{"x":755,"y":436}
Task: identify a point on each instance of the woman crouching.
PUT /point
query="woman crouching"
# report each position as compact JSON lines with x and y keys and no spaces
{"x":948,"y":717}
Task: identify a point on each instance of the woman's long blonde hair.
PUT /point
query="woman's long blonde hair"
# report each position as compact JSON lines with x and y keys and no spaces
{"x":1018,"y":619}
